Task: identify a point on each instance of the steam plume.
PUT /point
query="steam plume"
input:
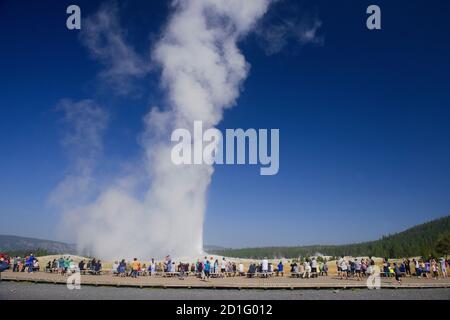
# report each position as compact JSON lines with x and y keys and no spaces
{"x":202,"y":70}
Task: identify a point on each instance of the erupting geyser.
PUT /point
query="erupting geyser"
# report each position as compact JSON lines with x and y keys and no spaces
{"x":202,"y":70}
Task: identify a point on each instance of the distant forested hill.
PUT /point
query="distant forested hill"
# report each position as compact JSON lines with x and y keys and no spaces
{"x":416,"y":241}
{"x":15,"y":244}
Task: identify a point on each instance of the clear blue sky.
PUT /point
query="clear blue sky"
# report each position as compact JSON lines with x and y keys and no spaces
{"x":364,"y":121}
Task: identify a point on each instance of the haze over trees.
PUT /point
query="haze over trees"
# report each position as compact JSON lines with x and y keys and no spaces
{"x":431,"y":238}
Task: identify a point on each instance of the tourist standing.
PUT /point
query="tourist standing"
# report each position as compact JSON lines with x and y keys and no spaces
{"x":265,"y":266}
{"x":407,"y":267}
{"x":15,"y":263}
{"x":223,"y":266}
{"x":344,"y":268}
{"x":443,"y":267}
{"x":207,"y":269}
{"x":122,"y":268}
{"x":397,"y":273}
{"x":314,"y":266}
{"x":325,"y":268}
{"x":357,"y":270}
{"x":280,"y":269}
{"x":135,"y":267}
{"x":339,"y":266}
{"x":115,"y":267}
{"x":434,"y":269}
{"x":241,"y":269}
{"x":81,"y":266}
{"x":152,"y":267}
{"x":386,"y":266}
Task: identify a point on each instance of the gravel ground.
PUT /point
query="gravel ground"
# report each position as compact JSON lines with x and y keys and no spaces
{"x":21,"y":290}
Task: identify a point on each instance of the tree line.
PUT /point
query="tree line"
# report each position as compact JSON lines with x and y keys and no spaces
{"x":431,"y":238}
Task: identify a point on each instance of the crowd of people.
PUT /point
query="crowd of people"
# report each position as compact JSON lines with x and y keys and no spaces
{"x":423,"y":268}
{"x":355,"y":268}
{"x":204,"y":268}
{"x":430,"y":267}
{"x":66,"y":265}
{"x":26,"y":264}
{"x":309,"y":268}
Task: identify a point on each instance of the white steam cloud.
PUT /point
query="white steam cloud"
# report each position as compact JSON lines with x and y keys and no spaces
{"x":87,"y":121}
{"x":287,"y":24}
{"x":202,"y":71}
{"x":106,"y":41}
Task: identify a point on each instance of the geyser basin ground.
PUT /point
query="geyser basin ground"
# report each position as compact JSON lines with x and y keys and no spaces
{"x":21,"y":290}
{"x":323,"y":282}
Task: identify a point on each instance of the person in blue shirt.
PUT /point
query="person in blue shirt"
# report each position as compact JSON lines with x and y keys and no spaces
{"x":29,"y":263}
{"x":81,"y":266}
{"x":207,"y":269}
{"x":98,"y":267}
{"x":280,"y":268}
{"x":122,"y":268}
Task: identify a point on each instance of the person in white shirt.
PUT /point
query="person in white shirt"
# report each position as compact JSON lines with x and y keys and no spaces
{"x":314,"y":265}
{"x":36,"y":265}
{"x":265,"y":265}
{"x":443,"y":267}
{"x":416,"y":264}
{"x":115,"y":266}
{"x":241,"y":269}
{"x":223,"y":266}
{"x":344,"y":269}
{"x":338,"y":265}
{"x":307,"y":272}
{"x":152,"y":267}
